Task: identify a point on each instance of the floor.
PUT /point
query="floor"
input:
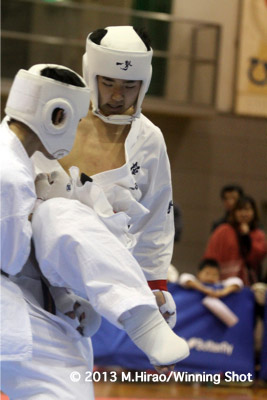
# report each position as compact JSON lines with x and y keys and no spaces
{"x":174,"y":391}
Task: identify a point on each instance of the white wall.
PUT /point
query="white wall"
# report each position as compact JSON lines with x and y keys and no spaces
{"x":225,"y":13}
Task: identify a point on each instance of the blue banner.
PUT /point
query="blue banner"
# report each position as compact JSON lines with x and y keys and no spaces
{"x":214,"y":347}
{"x":263,"y":371}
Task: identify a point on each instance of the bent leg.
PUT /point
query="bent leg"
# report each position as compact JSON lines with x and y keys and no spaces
{"x":75,"y":250}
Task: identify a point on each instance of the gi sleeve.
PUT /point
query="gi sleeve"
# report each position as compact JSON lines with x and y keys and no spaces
{"x":233,"y":280}
{"x":185,"y":277}
{"x":17,"y":202}
{"x":155,"y":231}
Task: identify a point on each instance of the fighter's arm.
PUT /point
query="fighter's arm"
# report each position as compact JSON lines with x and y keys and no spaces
{"x":155,"y":231}
{"x":17,"y":201}
{"x":16,"y":236}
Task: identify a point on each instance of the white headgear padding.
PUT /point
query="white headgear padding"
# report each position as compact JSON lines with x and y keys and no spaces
{"x":121,"y":54}
{"x":34,"y":98}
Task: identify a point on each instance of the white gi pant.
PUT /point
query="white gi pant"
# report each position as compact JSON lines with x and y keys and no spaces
{"x":49,"y":358}
{"x":74,"y":249}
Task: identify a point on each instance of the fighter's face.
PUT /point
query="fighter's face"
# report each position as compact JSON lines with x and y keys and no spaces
{"x":117,"y":96}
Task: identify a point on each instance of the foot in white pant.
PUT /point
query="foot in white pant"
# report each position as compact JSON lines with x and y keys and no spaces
{"x":149,"y":331}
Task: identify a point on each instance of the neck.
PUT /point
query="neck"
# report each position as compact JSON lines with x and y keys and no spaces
{"x":110,"y":132}
{"x":26,"y":136}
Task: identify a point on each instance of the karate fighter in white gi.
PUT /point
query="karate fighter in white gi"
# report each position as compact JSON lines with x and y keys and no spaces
{"x":120,"y":169}
{"x":39,"y":350}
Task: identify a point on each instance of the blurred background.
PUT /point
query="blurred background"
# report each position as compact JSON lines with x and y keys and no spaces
{"x":208,"y":92}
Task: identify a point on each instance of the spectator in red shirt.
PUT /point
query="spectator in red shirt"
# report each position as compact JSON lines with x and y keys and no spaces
{"x":239,"y":246}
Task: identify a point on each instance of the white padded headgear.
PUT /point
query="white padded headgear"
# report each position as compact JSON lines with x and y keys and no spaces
{"x":121,"y":54}
{"x":33,"y":99}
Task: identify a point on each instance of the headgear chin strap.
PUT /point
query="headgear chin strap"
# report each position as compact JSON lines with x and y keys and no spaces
{"x":33,"y":99}
{"x":121,"y":54}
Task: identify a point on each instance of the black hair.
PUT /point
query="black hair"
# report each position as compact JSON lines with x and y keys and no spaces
{"x":62,"y":75}
{"x":231,"y":188}
{"x":211,"y":262}
{"x":97,"y":35}
{"x":244,"y":241}
{"x":144,"y":36}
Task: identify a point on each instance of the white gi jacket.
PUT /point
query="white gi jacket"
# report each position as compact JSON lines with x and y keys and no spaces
{"x":141,"y":188}
{"x":17,"y":202}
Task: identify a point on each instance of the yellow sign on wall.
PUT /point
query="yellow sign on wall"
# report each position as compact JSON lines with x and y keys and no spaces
{"x":251,"y":93}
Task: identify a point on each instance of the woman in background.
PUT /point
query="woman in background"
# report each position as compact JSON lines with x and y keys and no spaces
{"x":239,"y":246}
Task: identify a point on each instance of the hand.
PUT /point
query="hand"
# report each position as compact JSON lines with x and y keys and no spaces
{"x":209,"y":291}
{"x":74,"y":307}
{"x":260,"y":292}
{"x":56,"y":184}
{"x":42,"y":186}
{"x":89,"y":319}
{"x":244,"y":228}
{"x":83,"y":311}
{"x":166,"y":306}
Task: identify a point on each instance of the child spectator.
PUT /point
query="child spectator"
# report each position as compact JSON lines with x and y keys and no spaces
{"x":209,"y":274}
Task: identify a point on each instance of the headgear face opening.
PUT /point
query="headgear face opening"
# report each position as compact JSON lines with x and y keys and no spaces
{"x":121,"y":54}
{"x":34,"y":100}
